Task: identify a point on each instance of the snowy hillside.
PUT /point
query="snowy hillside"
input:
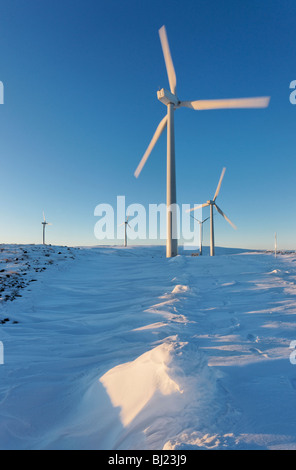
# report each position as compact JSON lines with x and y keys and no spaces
{"x":113,"y":348}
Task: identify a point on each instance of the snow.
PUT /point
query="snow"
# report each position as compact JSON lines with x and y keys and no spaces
{"x":150,"y":372}
{"x":121,"y":348}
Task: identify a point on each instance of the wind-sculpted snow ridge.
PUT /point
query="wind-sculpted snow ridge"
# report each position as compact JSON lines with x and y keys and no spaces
{"x":161,"y":395}
{"x":170,"y":387}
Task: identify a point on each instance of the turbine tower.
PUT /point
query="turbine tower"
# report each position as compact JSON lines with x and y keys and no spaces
{"x":201,"y":222}
{"x":172,"y":102}
{"x":44,"y":223}
{"x":212,"y":203}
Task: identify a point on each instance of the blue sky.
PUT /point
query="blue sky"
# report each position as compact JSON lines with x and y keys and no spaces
{"x":80,"y":80}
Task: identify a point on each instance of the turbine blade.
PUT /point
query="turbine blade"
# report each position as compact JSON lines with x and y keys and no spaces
{"x":198,"y":207}
{"x":225,"y":216}
{"x":196,"y":219}
{"x":201,"y":105}
{"x":219,"y":184}
{"x":121,"y":224}
{"x":158,"y":132}
{"x":43,"y":216}
{"x":168,"y":59}
{"x":205,"y":220}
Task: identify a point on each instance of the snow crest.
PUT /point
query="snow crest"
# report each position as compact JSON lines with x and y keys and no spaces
{"x":132,"y":385}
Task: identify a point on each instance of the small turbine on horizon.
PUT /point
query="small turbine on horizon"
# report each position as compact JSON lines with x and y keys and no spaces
{"x":201,"y":222}
{"x":44,"y":223}
{"x":212,"y":203}
{"x":172,"y":102}
{"x":126,"y":224}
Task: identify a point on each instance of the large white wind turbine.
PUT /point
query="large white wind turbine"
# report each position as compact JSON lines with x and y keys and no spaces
{"x":212,"y":203}
{"x":44,"y":223}
{"x":170,"y":99}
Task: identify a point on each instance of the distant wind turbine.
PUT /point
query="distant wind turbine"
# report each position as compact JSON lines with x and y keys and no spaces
{"x":170,"y":99}
{"x":212,"y":203}
{"x":44,"y":223}
{"x":201,"y":222}
{"x":126,"y":224}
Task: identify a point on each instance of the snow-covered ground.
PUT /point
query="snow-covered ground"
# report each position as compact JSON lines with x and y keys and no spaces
{"x":113,"y":348}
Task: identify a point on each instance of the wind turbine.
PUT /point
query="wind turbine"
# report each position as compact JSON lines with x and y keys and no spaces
{"x":44,"y":223}
{"x":212,"y":203}
{"x":201,"y":222}
{"x":170,"y":99}
{"x":126,"y":224}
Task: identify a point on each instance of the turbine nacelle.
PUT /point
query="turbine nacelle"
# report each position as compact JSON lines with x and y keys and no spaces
{"x":166,"y":97}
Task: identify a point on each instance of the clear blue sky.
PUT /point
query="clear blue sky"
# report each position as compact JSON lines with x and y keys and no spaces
{"x":80,"y":80}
